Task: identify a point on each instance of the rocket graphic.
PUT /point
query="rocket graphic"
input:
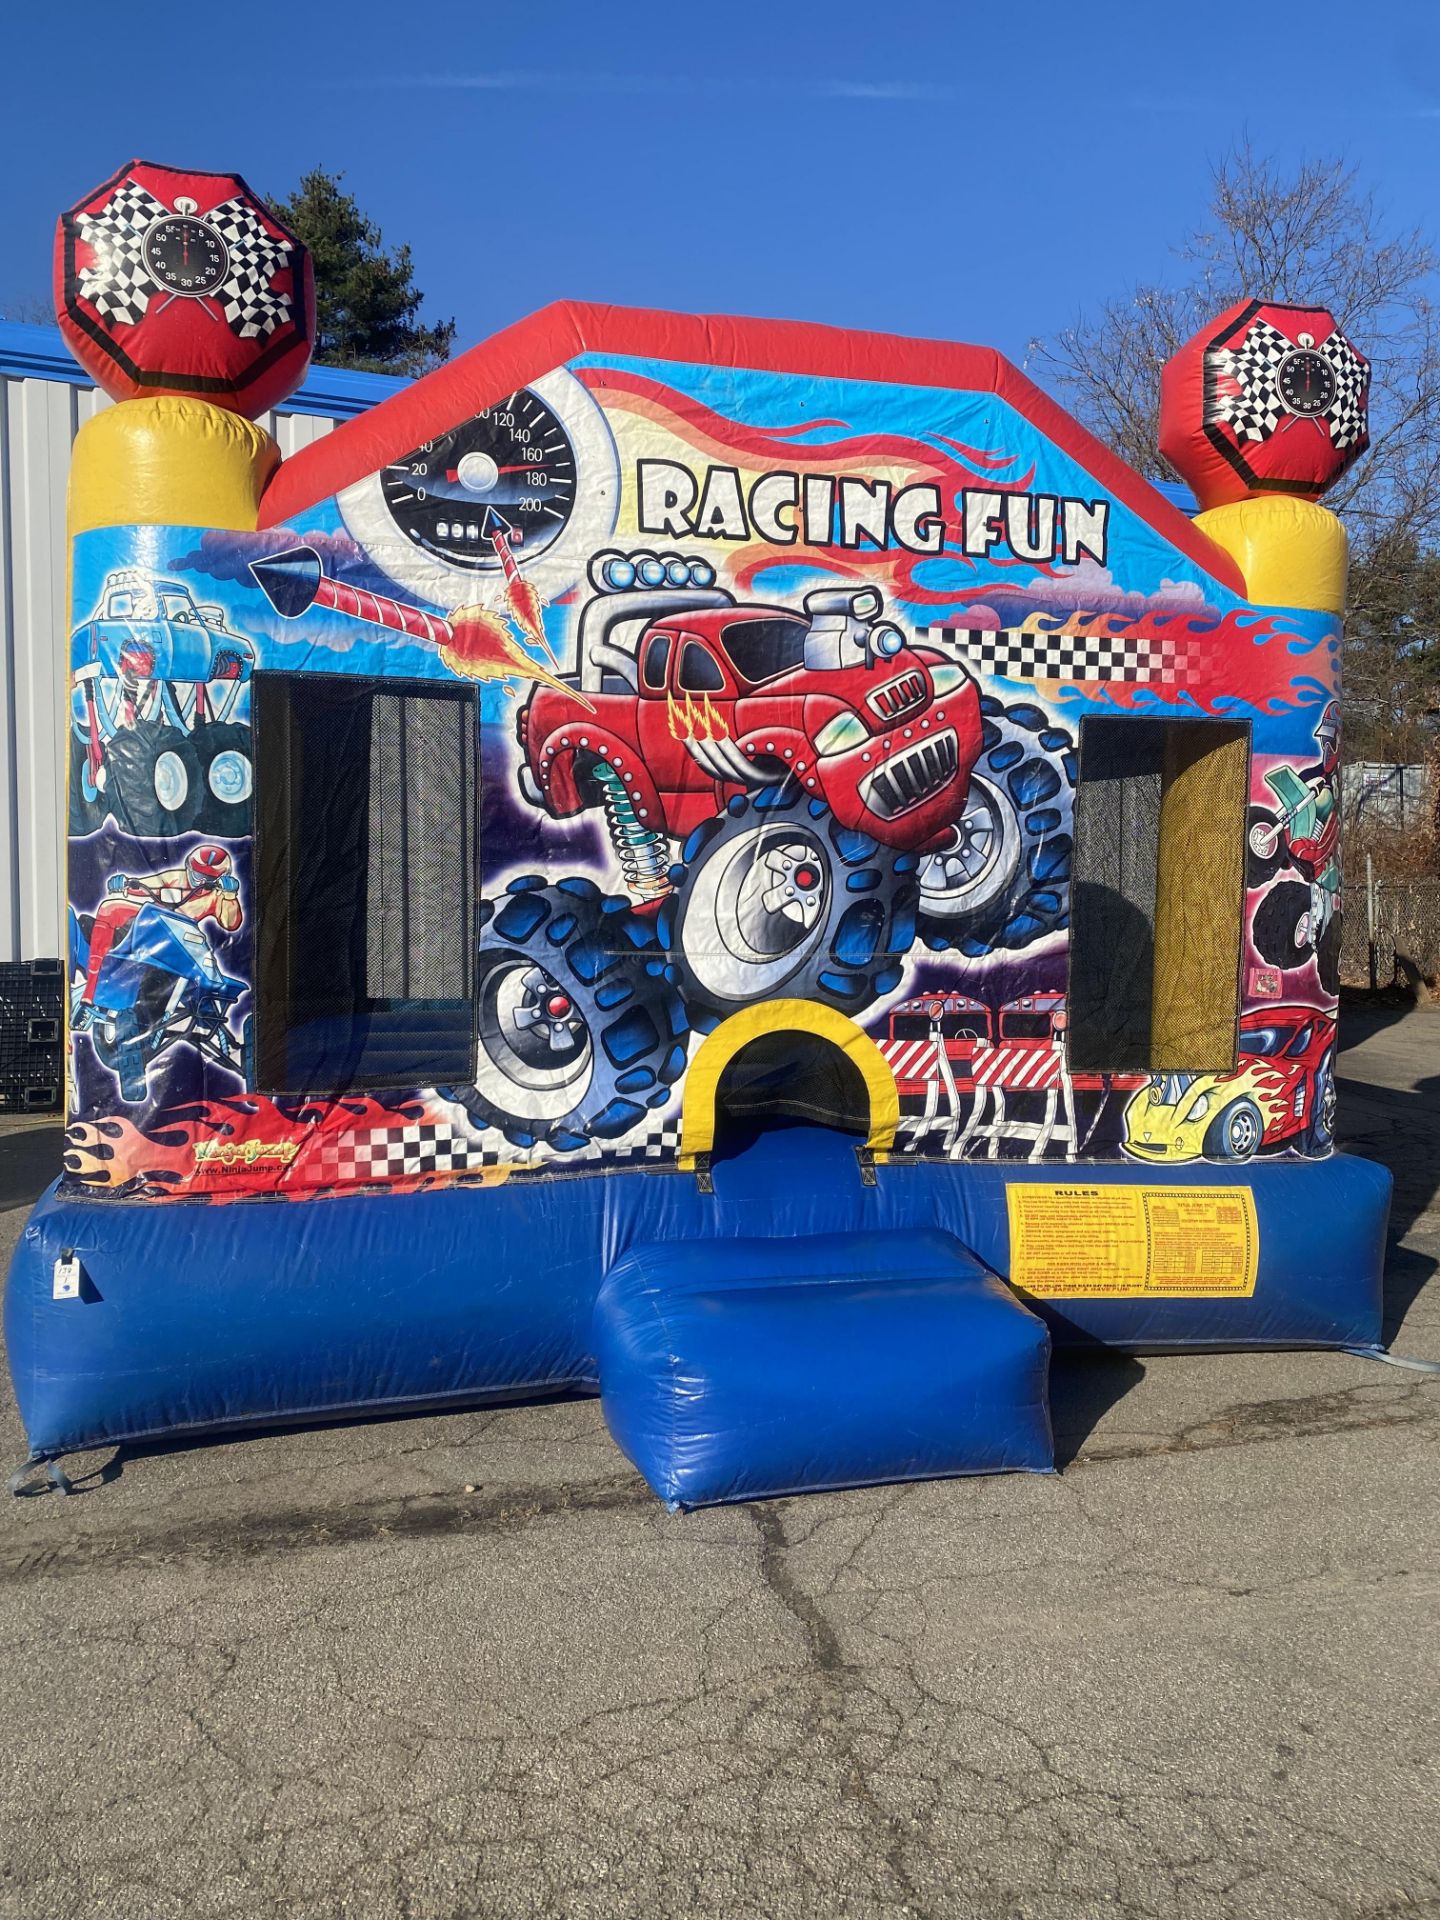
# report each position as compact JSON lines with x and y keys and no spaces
{"x":474,"y":642}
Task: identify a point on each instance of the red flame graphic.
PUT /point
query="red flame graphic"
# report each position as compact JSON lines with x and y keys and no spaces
{"x":712,"y":436}
{"x":225,"y":1149}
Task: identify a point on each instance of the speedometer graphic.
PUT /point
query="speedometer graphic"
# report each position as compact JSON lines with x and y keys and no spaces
{"x":514,"y":458}
{"x":532,"y":475}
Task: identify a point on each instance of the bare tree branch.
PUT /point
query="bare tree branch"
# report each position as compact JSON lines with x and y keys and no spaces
{"x":1313,"y":237}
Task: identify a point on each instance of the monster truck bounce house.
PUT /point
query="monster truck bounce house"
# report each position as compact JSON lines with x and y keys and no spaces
{"x":750,"y":866}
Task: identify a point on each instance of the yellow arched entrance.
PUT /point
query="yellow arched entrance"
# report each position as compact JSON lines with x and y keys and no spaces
{"x":702,"y":1080}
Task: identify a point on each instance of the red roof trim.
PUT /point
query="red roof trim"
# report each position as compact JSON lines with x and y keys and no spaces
{"x":556,"y":334}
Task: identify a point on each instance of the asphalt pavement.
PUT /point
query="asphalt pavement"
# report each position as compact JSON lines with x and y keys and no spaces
{"x":428,"y":1668}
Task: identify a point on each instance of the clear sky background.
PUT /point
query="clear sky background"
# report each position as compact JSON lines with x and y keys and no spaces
{"x":942,"y":167}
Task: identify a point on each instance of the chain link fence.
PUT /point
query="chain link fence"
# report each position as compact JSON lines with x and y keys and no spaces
{"x":1398,"y":920}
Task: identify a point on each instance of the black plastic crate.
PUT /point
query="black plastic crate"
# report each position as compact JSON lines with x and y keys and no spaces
{"x":18,"y":976}
{"x":32,"y":1035}
{"x":32,"y":1096}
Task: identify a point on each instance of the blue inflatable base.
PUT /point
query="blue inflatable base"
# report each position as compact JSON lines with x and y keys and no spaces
{"x":194,"y":1318}
{"x":742,"y":1369}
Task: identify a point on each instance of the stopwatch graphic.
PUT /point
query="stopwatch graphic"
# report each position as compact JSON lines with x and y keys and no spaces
{"x":186,"y":255}
{"x":1307,"y":381}
{"x":538,"y":464}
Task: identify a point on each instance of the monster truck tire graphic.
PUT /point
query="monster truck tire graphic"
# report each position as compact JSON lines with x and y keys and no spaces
{"x":580,"y":1033}
{"x":1004,"y":880}
{"x":774,"y":897}
{"x":1279,"y":931}
{"x":1278,"y":927}
{"x":152,"y":779}
{"x":226,"y":777}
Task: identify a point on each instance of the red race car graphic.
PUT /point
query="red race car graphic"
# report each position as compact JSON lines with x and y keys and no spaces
{"x":1280,"y":1092}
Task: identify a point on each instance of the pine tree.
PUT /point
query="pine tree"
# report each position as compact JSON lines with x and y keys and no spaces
{"x":367,"y":303}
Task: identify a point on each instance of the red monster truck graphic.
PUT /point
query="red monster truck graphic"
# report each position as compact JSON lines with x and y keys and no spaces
{"x":831,"y":790}
{"x":829,"y":785}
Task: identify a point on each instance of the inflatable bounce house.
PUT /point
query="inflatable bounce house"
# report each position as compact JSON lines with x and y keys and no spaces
{"x":750,"y":867}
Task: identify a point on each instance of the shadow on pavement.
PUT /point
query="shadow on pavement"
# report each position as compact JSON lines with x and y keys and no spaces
{"x":29,"y":1161}
{"x":1084,"y":1386}
{"x":1408,"y":1142}
{"x":1399,"y":1127}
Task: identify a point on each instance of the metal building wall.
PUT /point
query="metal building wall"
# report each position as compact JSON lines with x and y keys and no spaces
{"x":44,"y":400}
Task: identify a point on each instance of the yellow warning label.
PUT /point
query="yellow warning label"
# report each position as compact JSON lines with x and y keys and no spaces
{"x":1073,"y":1242}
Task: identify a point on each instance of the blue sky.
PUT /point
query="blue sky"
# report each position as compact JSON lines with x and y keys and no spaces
{"x":969,"y":171}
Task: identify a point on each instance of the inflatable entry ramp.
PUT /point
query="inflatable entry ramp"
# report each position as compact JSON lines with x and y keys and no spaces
{"x":764,"y":1367}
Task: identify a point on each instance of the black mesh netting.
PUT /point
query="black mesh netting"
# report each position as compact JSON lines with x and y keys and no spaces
{"x":1112,"y":904}
{"x":1156,"y":903}
{"x":366,"y":807}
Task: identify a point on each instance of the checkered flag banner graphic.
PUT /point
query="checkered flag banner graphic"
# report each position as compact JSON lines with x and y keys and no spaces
{"x":435,"y":1149}
{"x":1017,"y":653}
{"x":251,"y":304}
{"x":1256,"y":407}
{"x":117,"y":283}
{"x":1346,"y":413}
{"x":120,"y":286}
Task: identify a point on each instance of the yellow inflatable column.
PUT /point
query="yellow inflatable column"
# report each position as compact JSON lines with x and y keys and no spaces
{"x":168,"y":461}
{"x":1292,"y":552}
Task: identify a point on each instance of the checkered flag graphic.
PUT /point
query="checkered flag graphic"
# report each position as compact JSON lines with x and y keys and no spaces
{"x":1016,"y":653}
{"x":659,"y":1142}
{"x":420,"y":1148}
{"x":117,"y":283}
{"x":120,"y":286}
{"x":251,"y":304}
{"x":433,"y":1149}
{"x":1346,"y":413}
{"x":1255,"y":409}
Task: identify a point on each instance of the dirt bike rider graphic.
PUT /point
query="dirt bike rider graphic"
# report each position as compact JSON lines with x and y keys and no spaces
{"x":204,"y":888}
{"x":1300,"y":918}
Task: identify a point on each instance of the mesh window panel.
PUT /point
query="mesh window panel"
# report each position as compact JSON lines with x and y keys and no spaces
{"x":1112,"y":909}
{"x":420,"y":896}
{"x":366,"y":799}
{"x":1200,"y":898}
{"x":1157,"y":905}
